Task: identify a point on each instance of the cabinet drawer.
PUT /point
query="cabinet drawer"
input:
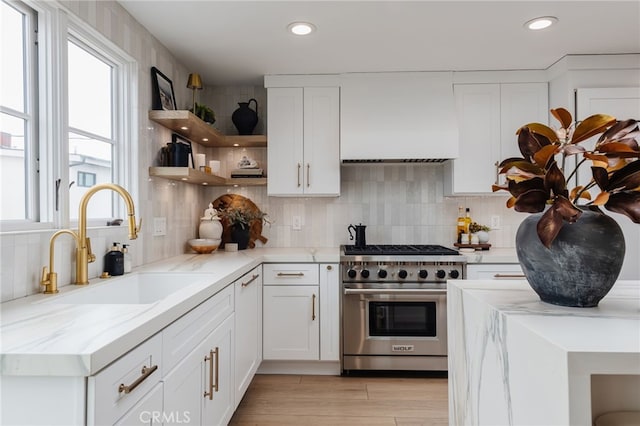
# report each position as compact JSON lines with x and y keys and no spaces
{"x":108,"y":400}
{"x":291,"y":273}
{"x":186,"y":333}
{"x":502,"y":271}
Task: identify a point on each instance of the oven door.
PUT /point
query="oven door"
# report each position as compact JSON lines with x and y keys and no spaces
{"x":394,"y":321}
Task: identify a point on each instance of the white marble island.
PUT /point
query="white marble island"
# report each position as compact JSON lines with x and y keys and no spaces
{"x":514,"y":360}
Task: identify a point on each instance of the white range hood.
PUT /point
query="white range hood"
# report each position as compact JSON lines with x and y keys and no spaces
{"x":397,"y":117}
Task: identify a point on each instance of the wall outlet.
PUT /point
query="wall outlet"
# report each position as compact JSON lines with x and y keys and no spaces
{"x":496,"y":222}
{"x":159,"y":226}
{"x":296,"y":223}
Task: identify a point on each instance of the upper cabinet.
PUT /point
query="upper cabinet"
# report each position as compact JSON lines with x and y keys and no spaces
{"x":304,"y":133}
{"x":488,"y":117}
{"x":197,"y":131}
{"x":398,"y":116}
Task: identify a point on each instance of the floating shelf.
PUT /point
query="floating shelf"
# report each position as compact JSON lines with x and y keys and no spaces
{"x":191,"y":127}
{"x":189,"y":175}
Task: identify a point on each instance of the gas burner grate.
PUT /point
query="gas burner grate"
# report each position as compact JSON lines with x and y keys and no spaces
{"x":400,"y":250}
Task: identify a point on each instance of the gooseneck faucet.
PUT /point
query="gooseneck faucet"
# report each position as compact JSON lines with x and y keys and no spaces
{"x":84,"y":256}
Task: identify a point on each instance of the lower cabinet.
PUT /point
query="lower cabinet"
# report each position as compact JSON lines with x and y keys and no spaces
{"x":495,"y":271}
{"x":301,"y":318}
{"x":148,"y":411}
{"x":248,"y":330}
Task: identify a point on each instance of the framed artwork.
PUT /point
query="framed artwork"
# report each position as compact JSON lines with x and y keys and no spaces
{"x":162,"y":87}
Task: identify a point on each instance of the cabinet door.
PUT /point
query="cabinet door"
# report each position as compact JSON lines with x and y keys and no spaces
{"x":149,"y":411}
{"x":248,"y":330}
{"x":329,"y":313}
{"x":187,"y":387}
{"x":321,"y":141}
{"x":285,"y":132}
{"x":622,"y":103}
{"x":520,"y":104}
{"x":291,"y":323}
{"x":478,"y":110}
{"x":504,"y":271}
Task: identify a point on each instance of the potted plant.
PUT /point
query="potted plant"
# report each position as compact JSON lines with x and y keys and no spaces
{"x":204,"y":113}
{"x":480,"y":231}
{"x":238,"y":219}
{"x":570,"y":251}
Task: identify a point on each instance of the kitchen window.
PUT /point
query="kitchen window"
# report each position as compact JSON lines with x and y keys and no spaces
{"x":68,"y":122}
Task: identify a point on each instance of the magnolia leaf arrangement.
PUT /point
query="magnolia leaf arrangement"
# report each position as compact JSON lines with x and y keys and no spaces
{"x":536,"y":180}
{"x":241,"y":216}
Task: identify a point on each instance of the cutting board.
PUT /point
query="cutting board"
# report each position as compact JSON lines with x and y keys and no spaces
{"x":238,"y":201}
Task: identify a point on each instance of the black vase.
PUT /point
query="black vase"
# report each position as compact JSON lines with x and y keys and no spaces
{"x":581,"y":266}
{"x":240,"y":236}
{"x":245,"y":118}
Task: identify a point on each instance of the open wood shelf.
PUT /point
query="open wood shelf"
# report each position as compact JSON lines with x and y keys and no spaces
{"x":191,"y":127}
{"x":189,"y":175}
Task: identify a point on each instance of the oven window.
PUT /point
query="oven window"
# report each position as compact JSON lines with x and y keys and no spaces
{"x":402,"y":319}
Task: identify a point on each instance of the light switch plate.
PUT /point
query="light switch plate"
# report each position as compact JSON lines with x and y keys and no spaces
{"x":496,"y":222}
{"x":296,"y":223}
{"x":159,"y":226}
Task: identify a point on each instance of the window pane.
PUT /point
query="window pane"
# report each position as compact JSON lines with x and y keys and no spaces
{"x":12,"y":168}
{"x":88,"y":156}
{"x":90,"y":90}
{"x":12,"y":51}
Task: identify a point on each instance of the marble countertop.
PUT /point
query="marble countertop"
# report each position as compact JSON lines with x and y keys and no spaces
{"x":43,"y":338}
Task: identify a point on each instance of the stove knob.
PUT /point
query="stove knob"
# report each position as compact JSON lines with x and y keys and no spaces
{"x":423,"y":273}
{"x":382,"y":273}
{"x":454,"y":274}
{"x":402,"y":274}
{"x":351,"y":273}
{"x":364,"y":273}
{"x":441,"y":273}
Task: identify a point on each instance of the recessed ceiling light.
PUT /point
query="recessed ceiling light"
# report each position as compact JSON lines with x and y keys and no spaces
{"x":540,"y":23}
{"x":301,"y":28}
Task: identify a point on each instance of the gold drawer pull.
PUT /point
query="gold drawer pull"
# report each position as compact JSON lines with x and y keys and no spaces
{"x":213,"y":383}
{"x":146,"y":372}
{"x":299,"y":175}
{"x":509,"y":276}
{"x":291,"y":274}
{"x":252,"y":279}
{"x":313,"y":308}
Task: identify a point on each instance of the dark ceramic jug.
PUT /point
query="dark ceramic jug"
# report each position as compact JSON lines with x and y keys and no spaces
{"x":245,"y":118}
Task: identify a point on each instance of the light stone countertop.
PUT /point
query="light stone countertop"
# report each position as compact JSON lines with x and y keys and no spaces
{"x":42,"y":338}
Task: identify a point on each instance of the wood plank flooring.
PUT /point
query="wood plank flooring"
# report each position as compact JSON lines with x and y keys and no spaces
{"x":341,"y":401}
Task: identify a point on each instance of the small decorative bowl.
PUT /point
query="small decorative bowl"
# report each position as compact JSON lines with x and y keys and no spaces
{"x":204,"y":245}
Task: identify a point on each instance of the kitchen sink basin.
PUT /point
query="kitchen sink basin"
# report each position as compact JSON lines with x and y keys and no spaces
{"x":136,"y":288}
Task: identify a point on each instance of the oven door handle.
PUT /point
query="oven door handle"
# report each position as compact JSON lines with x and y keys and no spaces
{"x":434,"y":291}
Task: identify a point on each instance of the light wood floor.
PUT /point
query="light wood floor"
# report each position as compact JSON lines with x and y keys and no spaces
{"x":332,"y":400}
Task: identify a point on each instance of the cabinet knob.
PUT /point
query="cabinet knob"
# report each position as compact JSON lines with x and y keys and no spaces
{"x":329,"y":267}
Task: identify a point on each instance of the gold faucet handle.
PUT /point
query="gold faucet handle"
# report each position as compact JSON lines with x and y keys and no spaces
{"x":49,"y":281}
{"x":132,"y":226}
{"x":45,"y":276}
{"x":90,"y":256}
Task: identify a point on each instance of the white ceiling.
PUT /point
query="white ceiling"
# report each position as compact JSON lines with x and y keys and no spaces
{"x":238,"y":42}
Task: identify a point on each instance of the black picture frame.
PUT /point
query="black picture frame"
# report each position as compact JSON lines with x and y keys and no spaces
{"x":163,"y":96}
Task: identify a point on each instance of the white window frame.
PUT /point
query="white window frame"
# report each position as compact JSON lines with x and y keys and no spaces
{"x":55,"y":26}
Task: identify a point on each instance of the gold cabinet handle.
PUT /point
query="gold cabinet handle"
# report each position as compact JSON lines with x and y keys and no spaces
{"x":252,"y":279}
{"x":497,"y":164}
{"x":213,"y":383}
{"x":508,"y":276}
{"x":291,"y":274}
{"x":299,"y":175}
{"x":308,"y":175}
{"x":146,"y":372}
{"x":313,"y":308}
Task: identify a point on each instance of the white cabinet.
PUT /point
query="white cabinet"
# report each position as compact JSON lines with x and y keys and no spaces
{"x":304,"y":135}
{"x":149,"y":411}
{"x":329,"y":312}
{"x":496,"y":271}
{"x":248,"y":330}
{"x":198,"y":379}
{"x":488,"y":117}
{"x":397,"y":116}
{"x":301,"y":312}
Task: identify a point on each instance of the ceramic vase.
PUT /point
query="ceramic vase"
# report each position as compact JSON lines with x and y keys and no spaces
{"x":245,"y":118}
{"x":582,"y":264}
{"x":240,"y":236}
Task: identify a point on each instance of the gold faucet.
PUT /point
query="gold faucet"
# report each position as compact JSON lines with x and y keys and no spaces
{"x":84,"y":256}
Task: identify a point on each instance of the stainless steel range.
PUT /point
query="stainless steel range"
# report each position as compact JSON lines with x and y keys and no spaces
{"x":394,"y":309}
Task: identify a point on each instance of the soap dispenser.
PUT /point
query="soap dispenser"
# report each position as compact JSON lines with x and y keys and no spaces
{"x":114,"y":261}
{"x":127,"y":258}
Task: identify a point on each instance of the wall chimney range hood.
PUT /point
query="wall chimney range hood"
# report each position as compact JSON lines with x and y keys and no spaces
{"x":404,"y":117}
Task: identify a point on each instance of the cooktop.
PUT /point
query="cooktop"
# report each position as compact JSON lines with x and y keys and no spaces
{"x":400,"y":250}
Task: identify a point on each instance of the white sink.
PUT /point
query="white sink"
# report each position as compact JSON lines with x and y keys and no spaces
{"x":135,"y":288}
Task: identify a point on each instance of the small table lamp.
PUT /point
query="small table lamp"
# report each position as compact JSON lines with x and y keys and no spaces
{"x":194,"y":83}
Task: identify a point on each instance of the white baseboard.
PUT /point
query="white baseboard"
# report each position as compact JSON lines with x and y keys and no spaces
{"x":322,"y":368}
